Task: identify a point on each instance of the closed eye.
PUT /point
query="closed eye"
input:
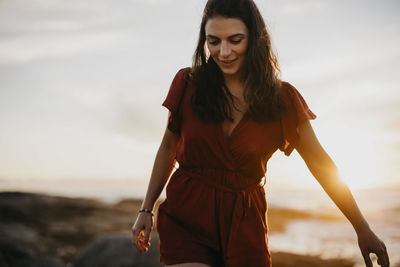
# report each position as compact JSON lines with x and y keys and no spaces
{"x":237,"y":41}
{"x":213,"y":41}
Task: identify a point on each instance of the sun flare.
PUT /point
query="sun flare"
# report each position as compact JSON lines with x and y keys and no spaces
{"x":358,"y":157}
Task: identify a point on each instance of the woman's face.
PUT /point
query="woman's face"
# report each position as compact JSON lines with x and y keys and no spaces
{"x":227,"y":40}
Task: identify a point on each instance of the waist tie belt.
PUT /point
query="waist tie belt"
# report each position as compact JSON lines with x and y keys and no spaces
{"x":220,"y":179}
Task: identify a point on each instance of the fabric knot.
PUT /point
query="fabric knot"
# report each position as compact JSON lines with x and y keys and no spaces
{"x":246,"y":197}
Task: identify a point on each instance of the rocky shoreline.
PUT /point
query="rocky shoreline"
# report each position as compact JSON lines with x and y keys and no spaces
{"x":43,"y":230}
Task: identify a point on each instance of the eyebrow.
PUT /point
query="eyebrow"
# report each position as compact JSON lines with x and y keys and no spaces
{"x":231,"y":36}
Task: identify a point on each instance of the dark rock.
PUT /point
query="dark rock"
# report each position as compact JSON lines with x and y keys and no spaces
{"x":37,"y":209}
{"x":117,"y":250}
{"x":38,"y":262}
{"x":41,"y":225}
{"x":16,"y":243}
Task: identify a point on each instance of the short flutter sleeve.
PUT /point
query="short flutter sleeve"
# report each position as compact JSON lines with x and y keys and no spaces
{"x":173,"y":100}
{"x":297,"y":112}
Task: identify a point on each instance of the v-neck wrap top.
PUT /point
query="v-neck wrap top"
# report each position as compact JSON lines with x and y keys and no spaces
{"x":216,"y":192}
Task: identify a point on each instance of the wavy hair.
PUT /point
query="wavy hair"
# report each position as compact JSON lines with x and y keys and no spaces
{"x":211,"y":100}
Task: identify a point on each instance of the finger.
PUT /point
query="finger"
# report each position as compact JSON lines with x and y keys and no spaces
{"x":146,"y":235}
{"x":141,"y":243}
{"x":386,"y":256}
{"x":367,"y":259}
{"x":383,"y":258}
{"x":382,"y":261}
{"x":144,"y":243}
{"x":144,"y":247}
{"x":136,"y":236}
{"x":134,"y":240}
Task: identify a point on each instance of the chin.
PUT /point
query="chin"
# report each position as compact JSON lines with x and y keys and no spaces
{"x":230,"y":72}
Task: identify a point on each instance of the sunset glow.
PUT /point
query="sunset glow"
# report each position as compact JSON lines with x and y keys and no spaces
{"x":359,"y":160}
{"x":92,"y":108}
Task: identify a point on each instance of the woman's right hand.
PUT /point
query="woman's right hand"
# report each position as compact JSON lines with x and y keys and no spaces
{"x":141,"y":231}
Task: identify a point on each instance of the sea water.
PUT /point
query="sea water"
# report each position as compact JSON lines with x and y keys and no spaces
{"x":336,"y":238}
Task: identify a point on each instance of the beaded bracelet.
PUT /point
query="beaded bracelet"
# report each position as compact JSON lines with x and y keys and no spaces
{"x":146,"y":210}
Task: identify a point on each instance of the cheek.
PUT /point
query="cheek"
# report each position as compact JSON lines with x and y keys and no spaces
{"x":243,"y":49}
{"x":212,"y":51}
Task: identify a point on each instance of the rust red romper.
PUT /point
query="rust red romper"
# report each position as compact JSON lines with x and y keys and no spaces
{"x":215,"y":210}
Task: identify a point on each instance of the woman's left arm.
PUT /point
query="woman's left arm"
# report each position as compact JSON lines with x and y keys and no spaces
{"x":325,"y":172}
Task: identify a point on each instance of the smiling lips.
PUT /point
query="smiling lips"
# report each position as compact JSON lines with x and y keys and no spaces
{"x":227,"y":62}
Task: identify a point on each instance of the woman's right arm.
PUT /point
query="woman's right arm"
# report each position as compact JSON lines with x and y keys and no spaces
{"x":162,"y":168}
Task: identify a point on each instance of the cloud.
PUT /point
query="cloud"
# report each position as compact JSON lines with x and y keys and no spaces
{"x":303,"y":7}
{"x":141,"y":118}
{"x":28,"y":48}
{"x":327,"y":70}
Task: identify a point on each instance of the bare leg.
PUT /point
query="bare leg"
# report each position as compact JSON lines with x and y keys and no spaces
{"x":189,"y":264}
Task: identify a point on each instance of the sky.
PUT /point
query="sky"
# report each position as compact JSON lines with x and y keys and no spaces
{"x":82,"y":84}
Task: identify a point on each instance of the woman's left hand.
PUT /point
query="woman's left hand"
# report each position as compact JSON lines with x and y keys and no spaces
{"x":370,"y":243}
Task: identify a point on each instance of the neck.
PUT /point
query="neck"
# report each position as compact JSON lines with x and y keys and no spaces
{"x":236,"y":88}
{"x":233,"y":78}
{"x":234,"y":84}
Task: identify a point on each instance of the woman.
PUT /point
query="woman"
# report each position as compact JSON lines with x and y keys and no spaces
{"x":228,"y":114}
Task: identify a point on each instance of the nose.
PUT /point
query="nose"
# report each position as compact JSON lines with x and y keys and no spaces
{"x":224,"y":50}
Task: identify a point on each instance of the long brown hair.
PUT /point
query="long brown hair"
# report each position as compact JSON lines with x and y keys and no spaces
{"x":212,"y":100}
